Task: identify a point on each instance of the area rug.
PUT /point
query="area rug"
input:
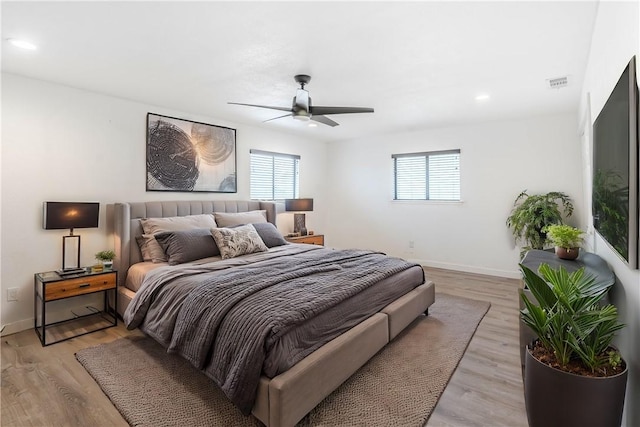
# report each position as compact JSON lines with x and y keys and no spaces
{"x":399,"y":386}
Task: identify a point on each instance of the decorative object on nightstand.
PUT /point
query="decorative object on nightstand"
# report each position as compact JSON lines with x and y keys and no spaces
{"x":312,"y":239}
{"x":106,"y":257}
{"x":51,"y":286}
{"x":299,"y":205}
{"x":62,"y":215}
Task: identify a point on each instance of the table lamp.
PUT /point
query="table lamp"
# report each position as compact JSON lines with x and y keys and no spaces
{"x":299,"y":205}
{"x":61,"y":215}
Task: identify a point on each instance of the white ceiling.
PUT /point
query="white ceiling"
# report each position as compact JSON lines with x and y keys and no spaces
{"x":419,"y":64}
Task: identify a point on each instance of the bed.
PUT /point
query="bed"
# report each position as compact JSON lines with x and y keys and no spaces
{"x":390,"y":295}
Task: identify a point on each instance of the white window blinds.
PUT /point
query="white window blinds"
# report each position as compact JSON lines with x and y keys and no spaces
{"x":274,"y":176}
{"x":427,"y":176}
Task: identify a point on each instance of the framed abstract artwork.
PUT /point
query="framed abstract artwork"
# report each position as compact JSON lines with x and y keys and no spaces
{"x":190,"y":156}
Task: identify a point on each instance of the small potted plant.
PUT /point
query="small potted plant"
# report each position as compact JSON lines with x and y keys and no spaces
{"x":106,"y":257}
{"x":567,"y":240}
{"x":573,"y":376}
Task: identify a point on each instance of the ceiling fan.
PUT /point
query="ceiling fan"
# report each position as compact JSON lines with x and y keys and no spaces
{"x":303,"y":110}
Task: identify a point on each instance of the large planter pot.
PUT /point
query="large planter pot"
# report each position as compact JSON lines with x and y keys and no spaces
{"x":557,"y":398}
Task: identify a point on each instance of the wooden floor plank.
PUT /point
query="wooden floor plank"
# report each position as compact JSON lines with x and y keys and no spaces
{"x":46,"y":386}
{"x":486,"y":389}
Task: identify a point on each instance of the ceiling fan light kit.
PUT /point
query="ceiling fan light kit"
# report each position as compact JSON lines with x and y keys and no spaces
{"x":302,"y":109}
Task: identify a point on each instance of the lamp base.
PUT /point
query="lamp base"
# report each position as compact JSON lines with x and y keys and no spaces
{"x":299,"y":224}
{"x":70,"y":252}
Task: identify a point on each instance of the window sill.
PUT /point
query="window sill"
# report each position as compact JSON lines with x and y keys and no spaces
{"x":427,"y":202}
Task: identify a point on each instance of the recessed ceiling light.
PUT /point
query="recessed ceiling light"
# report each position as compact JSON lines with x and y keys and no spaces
{"x":482,"y":97}
{"x":313,"y":125}
{"x":23,"y":44}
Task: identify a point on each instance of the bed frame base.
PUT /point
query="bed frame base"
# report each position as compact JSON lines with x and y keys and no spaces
{"x":286,"y":399}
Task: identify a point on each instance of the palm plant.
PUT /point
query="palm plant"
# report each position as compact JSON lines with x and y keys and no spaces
{"x":570,"y":322}
{"x":532,"y":213}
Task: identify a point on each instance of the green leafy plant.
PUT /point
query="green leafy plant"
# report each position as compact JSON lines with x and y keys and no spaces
{"x":532,"y":213}
{"x":564,"y":236}
{"x":569,"y":321}
{"x":106,"y":255}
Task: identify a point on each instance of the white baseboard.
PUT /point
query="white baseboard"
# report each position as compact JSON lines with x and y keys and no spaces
{"x":19,"y":326}
{"x":469,"y":268}
{"x":54,"y":315}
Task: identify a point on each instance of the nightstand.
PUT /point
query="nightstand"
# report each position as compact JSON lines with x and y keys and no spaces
{"x":315,"y":239}
{"x":50,"y":286}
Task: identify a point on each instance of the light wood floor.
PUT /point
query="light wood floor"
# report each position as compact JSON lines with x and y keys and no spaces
{"x":48,"y":387}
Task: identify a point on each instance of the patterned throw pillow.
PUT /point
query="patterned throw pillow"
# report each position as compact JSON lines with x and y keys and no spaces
{"x":234,"y":242}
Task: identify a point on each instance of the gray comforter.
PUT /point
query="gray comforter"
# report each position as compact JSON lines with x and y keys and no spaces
{"x":225,"y":317}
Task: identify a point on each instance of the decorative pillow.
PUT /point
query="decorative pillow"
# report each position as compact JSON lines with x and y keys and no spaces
{"x":225,"y":219}
{"x":270,"y":234}
{"x":150,"y":248}
{"x":234,"y":242}
{"x":177,"y":223}
{"x":187,"y":245}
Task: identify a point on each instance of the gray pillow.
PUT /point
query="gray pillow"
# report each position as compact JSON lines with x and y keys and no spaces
{"x":187,"y":245}
{"x":229,"y":219}
{"x":269,"y":234}
{"x":150,"y":248}
{"x":177,"y":223}
{"x":238,"y":241}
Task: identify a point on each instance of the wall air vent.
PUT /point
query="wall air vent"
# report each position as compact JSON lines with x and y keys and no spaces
{"x":558,"y":83}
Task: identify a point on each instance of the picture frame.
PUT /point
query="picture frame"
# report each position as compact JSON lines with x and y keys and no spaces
{"x":188,"y":156}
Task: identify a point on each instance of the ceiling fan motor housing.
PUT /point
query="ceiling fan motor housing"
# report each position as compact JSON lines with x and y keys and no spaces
{"x":301,"y":107}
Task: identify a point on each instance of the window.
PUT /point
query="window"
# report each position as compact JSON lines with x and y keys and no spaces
{"x":274,"y":176}
{"x":427,"y":176}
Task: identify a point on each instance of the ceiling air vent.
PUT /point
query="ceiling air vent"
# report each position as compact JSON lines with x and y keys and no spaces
{"x":558,"y":83}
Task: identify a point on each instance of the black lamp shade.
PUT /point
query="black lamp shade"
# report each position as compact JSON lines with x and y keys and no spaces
{"x":298,"y":205}
{"x":69,"y":215}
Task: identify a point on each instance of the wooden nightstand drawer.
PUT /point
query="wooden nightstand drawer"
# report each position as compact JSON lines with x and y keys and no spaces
{"x":316,"y":239}
{"x":79,"y":286}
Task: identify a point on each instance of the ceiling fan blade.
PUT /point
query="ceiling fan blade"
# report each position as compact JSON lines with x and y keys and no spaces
{"x":325,"y":121}
{"x":275,"y":118}
{"x":338,"y":110}
{"x":261,"y":106}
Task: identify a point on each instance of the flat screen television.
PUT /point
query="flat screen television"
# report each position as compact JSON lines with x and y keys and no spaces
{"x":615,"y":168}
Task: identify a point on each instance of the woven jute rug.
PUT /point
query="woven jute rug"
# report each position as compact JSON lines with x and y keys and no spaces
{"x":400,"y":386}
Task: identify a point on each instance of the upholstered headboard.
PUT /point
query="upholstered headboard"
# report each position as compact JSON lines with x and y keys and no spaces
{"x":127,"y":222}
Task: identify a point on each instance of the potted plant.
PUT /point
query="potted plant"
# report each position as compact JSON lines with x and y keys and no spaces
{"x":532,"y":213}
{"x":567,"y":240}
{"x":106,"y":257}
{"x":573,"y":376}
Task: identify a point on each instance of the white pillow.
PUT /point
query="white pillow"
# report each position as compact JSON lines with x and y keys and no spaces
{"x":226,"y":219}
{"x":177,"y":223}
{"x":234,"y":242}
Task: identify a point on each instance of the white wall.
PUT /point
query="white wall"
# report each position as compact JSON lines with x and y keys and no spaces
{"x":65,"y":144}
{"x":616,"y":39}
{"x":498,"y":161}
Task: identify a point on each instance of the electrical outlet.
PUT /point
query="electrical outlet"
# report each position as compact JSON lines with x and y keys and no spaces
{"x":12,"y":294}
{"x":411,"y":244}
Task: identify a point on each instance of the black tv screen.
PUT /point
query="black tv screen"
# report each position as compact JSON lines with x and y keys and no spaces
{"x":615,"y":168}
{"x":61,"y":215}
